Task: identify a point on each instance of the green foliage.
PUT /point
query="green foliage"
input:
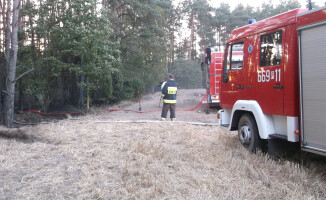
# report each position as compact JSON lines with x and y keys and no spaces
{"x":240,"y":16}
{"x":182,"y":49}
{"x":224,"y":21}
{"x":220,"y":23}
{"x":131,"y":88}
{"x":111,"y":49}
{"x":75,"y":40}
{"x":187,"y":74}
{"x":204,"y":27}
{"x":77,"y":48}
{"x":143,"y":31}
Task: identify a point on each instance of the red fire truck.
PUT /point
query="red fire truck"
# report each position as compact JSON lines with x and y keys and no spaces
{"x":277,"y":89}
{"x":212,"y":78}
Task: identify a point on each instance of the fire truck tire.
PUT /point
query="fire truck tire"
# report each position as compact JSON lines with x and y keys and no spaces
{"x":248,"y":133}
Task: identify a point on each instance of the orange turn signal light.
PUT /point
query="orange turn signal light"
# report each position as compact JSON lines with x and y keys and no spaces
{"x":296,"y":132}
{"x":218,"y":115}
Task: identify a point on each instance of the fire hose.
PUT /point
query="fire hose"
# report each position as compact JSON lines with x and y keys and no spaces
{"x":128,"y":110}
{"x":114,"y":109}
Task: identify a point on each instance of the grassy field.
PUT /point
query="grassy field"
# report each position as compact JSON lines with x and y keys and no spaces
{"x":71,"y":160}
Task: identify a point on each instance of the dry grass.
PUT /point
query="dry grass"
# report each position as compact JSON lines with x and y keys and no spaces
{"x":68,"y":160}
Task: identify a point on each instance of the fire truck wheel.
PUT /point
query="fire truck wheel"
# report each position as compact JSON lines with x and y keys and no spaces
{"x":248,"y":133}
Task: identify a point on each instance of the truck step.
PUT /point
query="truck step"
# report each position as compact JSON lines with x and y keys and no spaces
{"x":279,"y":147}
{"x":278,"y":136}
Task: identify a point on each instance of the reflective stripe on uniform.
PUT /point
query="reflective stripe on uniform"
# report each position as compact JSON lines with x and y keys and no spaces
{"x":162,"y":86}
{"x":169,"y":101}
{"x":172,"y":90}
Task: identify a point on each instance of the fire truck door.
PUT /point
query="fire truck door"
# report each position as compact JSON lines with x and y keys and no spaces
{"x":233,"y":75}
{"x":251,"y":51}
{"x":269,"y":76}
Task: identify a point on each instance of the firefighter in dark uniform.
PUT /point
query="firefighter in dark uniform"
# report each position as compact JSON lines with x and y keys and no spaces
{"x":208,"y":55}
{"x":169,"y":94}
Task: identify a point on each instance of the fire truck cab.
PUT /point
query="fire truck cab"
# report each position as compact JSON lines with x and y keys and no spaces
{"x":276,"y":86}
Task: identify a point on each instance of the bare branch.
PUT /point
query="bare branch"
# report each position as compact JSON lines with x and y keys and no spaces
{"x":23,"y":74}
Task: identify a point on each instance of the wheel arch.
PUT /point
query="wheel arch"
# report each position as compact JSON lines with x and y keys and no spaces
{"x":264,"y":122}
{"x":236,"y":118}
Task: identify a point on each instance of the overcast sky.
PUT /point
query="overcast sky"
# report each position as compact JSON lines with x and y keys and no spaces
{"x":233,"y":3}
{"x":254,"y":3}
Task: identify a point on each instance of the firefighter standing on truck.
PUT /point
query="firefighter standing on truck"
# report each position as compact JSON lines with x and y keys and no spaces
{"x":169,"y":94}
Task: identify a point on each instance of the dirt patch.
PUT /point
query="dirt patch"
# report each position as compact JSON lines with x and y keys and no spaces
{"x":16,"y":134}
{"x":30,"y":118}
{"x":23,"y":135}
{"x":151,"y":107}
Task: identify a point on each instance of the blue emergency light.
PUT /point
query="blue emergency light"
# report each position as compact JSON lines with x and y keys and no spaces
{"x":251,"y":21}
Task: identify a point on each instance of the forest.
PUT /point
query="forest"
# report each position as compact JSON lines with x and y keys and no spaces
{"x":83,"y":53}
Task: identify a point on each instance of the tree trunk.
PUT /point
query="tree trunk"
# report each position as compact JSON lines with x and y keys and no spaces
{"x":7,"y":30}
{"x":32,"y":30}
{"x":171,"y":53}
{"x":82,"y":81}
{"x":21,"y":42}
{"x":192,"y":24}
{"x":87,"y":93}
{"x":2,"y":43}
{"x":11,"y":74}
{"x":3,"y":12}
{"x":21,"y":96}
{"x":172,"y":47}
{"x":21,"y":25}
{"x":7,"y":34}
{"x":82,"y":76}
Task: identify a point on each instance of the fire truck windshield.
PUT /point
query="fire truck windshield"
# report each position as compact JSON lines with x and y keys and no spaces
{"x":237,"y":56}
{"x":233,"y":59}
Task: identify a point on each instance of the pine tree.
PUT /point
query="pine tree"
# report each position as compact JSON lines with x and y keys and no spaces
{"x":11,"y":66}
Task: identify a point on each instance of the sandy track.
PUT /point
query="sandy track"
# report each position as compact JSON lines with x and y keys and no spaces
{"x":186,"y":99}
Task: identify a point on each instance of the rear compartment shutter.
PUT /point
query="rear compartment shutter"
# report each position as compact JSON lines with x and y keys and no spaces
{"x":313,"y":86}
